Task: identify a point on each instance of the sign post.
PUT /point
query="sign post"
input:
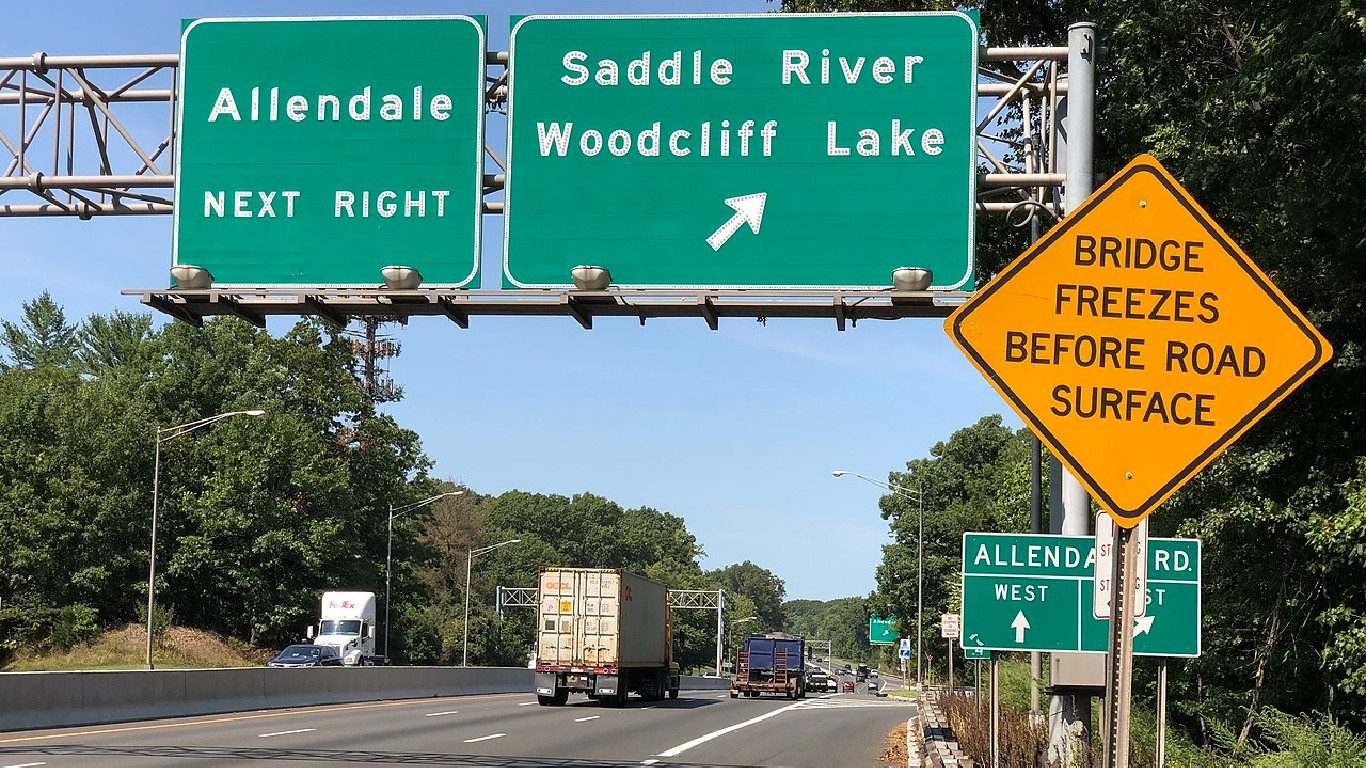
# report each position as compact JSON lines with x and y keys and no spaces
{"x":948,"y":629}
{"x":715,"y":151}
{"x":366,"y":152}
{"x":1137,"y":340}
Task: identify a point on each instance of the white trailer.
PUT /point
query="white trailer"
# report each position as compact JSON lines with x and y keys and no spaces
{"x":605,"y":633}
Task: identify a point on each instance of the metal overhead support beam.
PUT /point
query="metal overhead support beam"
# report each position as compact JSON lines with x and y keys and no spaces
{"x":52,"y":164}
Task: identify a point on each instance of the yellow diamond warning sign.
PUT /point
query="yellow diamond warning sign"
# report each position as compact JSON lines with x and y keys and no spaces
{"x":1137,"y":340}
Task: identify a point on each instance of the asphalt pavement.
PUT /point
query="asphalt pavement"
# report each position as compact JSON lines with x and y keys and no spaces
{"x":700,"y":728}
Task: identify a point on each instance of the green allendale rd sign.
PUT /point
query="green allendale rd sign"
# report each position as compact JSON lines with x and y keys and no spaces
{"x":880,"y":631}
{"x":1035,"y":593}
{"x":741,"y":151}
{"x":318,"y":151}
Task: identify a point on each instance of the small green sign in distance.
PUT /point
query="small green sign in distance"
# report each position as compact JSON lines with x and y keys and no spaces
{"x":976,"y":654}
{"x":315,"y":152}
{"x":772,"y":151}
{"x":1026,"y":592}
{"x":880,"y":631}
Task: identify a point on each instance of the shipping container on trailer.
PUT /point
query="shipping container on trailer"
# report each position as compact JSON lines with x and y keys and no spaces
{"x":605,"y":633}
{"x":772,"y":663}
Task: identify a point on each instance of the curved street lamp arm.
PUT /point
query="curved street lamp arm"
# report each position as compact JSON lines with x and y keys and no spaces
{"x":170,"y":433}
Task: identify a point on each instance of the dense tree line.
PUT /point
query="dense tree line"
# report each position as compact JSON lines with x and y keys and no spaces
{"x":1256,"y":108}
{"x":258,"y":516}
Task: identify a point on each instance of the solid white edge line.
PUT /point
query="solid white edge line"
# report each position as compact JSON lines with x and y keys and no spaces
{"x":283,"y":733}
{"x":486,"y":738}
{"x":681,"y":748}
{"x":21,"y":765}
{"x":526,"y":703}
{"x":586,"y":719}
{"x":434,"y":714}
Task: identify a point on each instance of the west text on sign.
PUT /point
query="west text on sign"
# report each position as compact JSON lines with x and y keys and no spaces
{"x":1137,"y":340}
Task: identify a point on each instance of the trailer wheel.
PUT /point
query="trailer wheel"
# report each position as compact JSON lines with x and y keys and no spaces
{"x":558,"y":700}
{"x":673,"y":693}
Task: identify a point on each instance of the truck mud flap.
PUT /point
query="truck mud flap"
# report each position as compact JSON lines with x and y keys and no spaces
{"x":545,"y":683}
{"x":606,"y":685}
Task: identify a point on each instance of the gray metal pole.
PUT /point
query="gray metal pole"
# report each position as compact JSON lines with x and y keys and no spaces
{"x":465,"y":647}
{"x":1071,"y":510}
{"x":720,"y":612}
{"x":388,"y":569}
{"x":995,"y":694}
{"x":1036,"y":527}
{"x":152,"y":559}
{"x":920,"y":596}
{"x":1161,"y":711}
{"x":1119,"y":680}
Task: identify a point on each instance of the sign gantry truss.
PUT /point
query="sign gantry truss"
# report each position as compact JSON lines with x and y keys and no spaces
{"x":88,"y":136}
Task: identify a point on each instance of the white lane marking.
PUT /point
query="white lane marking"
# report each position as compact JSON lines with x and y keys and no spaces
{"x":21,"y":765}
{"x":486,"y":738}
{"x":434,"y":714}
{"x":526,"y":703}
{"x":651,"y":761}
{"x":684,"y":747}
{"x":586,"y":719}
{"x":283,"y":733}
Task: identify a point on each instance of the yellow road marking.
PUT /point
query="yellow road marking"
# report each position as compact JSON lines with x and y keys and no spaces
{"x":237,"y":718}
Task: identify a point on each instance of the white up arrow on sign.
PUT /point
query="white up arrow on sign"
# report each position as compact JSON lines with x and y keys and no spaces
{"x":1020,"y":624}
{"x":749,"y":209}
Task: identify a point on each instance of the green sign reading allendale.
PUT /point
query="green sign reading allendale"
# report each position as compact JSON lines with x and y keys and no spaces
{"x":318,"y":151}
{"x":1026,"y":592}
{"x":742,"y":151}
{"x":880,"y":630}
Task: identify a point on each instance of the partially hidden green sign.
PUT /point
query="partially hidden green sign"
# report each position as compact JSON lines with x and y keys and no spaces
{"x":775,"y":151}
{"x":318,"y":151}
{"x":1026,"y":592}
{"x":880,"y":631}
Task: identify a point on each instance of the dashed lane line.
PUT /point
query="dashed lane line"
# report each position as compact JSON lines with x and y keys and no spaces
{"x":232,"y":719}
{"x":284,"y":733}
{"x":684,"y":747}
{"x":586,"y":719}
{"x":486,"y":738}
{"x":435,"y":714}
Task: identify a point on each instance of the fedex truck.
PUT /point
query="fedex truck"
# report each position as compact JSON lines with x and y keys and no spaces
{"x":346,"y":622}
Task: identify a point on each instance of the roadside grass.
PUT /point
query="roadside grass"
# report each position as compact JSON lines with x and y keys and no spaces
{"x":126,"y":648}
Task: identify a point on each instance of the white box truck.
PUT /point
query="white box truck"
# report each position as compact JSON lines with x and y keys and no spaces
{"x":605,"y":633}
{"x":346,"y":622}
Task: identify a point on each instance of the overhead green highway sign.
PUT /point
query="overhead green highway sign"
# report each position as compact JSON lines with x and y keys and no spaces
{"x":1026,"y":592}
{"x":318,"y":151}
{"x":880,"y":631}
{"x":801,"y":150}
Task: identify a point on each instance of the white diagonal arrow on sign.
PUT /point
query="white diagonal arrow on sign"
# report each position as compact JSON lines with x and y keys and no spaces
{"x":1020,"y":624}
{"x":1144,"y":624}
{"x":749,"y":209}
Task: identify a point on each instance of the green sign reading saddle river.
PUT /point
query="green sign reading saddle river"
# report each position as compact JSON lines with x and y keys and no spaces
{"x":741,"y":151}
{"x":318,"y":151}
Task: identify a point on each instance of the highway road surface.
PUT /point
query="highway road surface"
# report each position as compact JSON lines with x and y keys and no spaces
{"x":700,"y":728}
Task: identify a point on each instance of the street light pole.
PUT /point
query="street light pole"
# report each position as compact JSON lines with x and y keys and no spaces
{"x":918,"y":495}
{"x":389,"y":553}
{"x":162,"y":435}
{"x":469,"y":567}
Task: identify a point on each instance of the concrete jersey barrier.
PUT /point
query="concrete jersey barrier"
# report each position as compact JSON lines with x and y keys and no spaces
{"x":56,"y":699}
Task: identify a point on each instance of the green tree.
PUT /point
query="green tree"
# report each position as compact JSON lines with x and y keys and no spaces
{"x":105,"y":342}
{"x":759,"y":585}
{"x":43,"y":338}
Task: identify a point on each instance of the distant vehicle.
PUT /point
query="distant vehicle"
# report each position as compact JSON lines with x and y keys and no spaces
{"x":346,"y":623}
{"x":848,"y":686}
{"x":817,"y":680}
{"x":770,"y":663}
{"x":306,"y":656}
{"x":862,"y":673}
{"x":872,"y":673}
{"x":873,"y":688}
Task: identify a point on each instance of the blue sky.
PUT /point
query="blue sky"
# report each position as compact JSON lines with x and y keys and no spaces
{"x":736,"y":431}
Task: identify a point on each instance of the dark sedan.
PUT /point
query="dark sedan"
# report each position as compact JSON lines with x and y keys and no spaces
{"x":306,"y":656}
